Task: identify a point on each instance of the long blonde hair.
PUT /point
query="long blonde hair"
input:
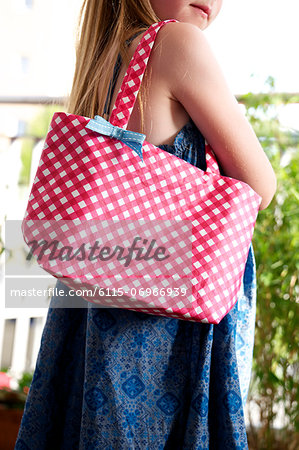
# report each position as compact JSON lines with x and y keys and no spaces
{"x":104,"y":27}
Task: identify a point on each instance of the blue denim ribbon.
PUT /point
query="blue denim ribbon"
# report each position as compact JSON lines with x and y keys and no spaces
{"x":130,"y":138}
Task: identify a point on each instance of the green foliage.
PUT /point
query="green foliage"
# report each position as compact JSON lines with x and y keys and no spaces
{"x":25,"y":381}
{"x":16,"y":398}
{"x":276,"y":245}
{"x":26,"y":155}
{"x":39,"y":126}
{"x":37,"y":129}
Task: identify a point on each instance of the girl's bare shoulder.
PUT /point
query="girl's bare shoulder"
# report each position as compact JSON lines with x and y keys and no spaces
{"x":178,"y":47}
{"x":178,"y":30}
{"x":176,"y":37}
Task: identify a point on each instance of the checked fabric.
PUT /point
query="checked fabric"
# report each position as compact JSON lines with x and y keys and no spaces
{"x":86,"y":180}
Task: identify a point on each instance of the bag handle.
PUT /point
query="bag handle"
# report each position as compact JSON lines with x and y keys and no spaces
{"x":130,"y":86}
{"x":211,"y":161}
{"x":129,"y":89}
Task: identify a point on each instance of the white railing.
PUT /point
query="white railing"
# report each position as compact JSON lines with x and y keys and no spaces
{"x":20,"y":335}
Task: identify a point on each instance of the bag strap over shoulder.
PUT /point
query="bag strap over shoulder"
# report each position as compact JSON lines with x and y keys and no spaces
{"x":129,"y":89}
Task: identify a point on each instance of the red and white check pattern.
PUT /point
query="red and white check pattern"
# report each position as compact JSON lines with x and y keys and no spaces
{"x":83,"y":175}
{"x":129,"y":89}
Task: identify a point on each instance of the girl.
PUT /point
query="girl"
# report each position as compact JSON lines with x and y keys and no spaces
{"x":119,"y":379}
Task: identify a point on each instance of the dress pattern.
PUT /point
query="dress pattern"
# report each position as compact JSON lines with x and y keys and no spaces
{"x":246,"y":324}
{"x":114,"y":379}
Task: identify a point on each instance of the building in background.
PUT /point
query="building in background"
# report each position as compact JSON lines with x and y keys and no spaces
{"x":37,"y":47}
{"x":37,"y":61}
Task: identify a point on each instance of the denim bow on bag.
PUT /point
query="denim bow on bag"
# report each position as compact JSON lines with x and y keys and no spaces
{"x":130,"y":138}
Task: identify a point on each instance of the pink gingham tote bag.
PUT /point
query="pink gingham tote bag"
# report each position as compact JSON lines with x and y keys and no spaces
{"x":86,"y":175}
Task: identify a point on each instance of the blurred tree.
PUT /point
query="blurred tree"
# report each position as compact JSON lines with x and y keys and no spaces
{"x":36,"y":130}
{"x":276,"y":244}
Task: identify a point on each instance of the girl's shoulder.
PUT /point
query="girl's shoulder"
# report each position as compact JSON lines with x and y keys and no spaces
{"x":176,"y":36}
{"x":173,"y":39}
{"x":177,"y":30}
{"x":178,"y":46}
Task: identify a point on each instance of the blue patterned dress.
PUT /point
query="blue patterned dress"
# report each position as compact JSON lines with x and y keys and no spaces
{"x":118,"y":379}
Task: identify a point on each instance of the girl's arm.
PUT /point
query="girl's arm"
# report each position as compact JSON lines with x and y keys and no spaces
{"x":197,"y":82}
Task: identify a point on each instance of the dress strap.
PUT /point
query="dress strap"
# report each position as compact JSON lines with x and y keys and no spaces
{"x":112,"y":87}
